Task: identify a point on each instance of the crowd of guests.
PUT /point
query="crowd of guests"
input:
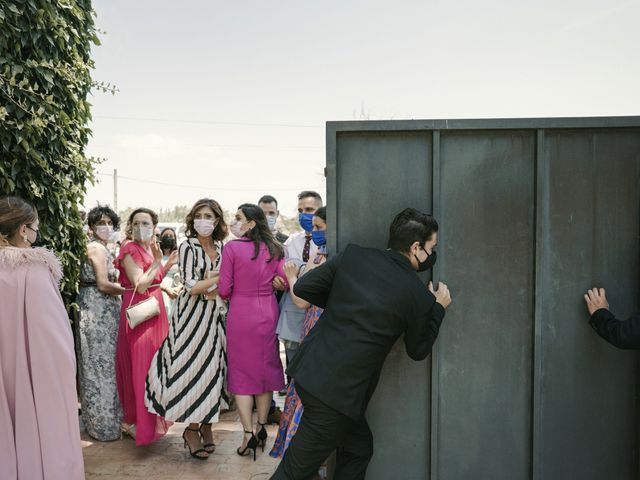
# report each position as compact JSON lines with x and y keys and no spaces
{"x":172,"y":332}
{"x":222,"y":304}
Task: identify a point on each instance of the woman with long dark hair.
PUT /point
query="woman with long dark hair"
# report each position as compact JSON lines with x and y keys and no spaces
{"x":249,"y":266}
{"x":186,"y":379}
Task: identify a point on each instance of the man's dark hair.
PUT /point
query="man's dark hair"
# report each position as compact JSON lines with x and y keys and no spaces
{"x":96,"y":213}
{"x":268,"y":199}
{"x":410,"y":226}
{"x":310,"y":193}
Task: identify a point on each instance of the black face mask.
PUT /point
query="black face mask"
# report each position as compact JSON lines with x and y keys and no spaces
{"x":167,"y":243}
{"x":428,"y":263}
{"x":38,"y":240}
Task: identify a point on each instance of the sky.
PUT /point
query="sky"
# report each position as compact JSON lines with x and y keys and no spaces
{"x":229,"y":99}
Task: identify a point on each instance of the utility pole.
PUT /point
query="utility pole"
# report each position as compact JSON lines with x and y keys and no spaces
{"x":115,"y":190}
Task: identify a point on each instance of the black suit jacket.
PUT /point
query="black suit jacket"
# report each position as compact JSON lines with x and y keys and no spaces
{"x":620,"y":333}
{"x":370,"y":297}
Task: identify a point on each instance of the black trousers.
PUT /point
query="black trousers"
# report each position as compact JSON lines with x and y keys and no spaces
{"x":321,"y":431}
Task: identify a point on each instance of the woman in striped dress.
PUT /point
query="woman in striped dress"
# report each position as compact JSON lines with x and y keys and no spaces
{"x":186,"y":377}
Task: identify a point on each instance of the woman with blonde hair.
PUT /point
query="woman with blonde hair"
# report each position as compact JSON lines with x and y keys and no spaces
{"x":39,"y":429}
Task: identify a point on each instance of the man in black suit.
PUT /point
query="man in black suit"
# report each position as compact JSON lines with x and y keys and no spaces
{"x":370,"y":297}
{"x":620,"y":333}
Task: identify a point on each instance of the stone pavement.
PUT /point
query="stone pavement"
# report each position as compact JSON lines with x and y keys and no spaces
{"x":166,"y":459}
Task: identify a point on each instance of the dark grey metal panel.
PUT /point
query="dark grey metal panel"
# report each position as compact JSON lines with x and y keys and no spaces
{"x":588,"y":388}
{"x":377,"y":175}
{"x":521,"y":390}
{"x":482,"y":124}
{"x":486,"y":210}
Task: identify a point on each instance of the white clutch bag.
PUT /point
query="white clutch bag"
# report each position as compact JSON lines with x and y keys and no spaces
{"x":142,"y":311}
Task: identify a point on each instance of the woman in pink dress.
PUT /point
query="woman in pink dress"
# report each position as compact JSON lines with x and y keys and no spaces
{"x":39,"y":427}
{"x":140,"y":263}
{"x":249,"y":266}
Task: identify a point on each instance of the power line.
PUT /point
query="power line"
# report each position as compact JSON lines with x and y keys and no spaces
{"x":209,"y":188}
{"x":158,"y":147}
{"x":207,"y":122}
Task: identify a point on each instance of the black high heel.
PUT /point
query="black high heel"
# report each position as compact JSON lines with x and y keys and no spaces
{"x":187,"y":444}
{"x":252,"y":444}
{"x":262,"y":435}
{"x":208,"y":447}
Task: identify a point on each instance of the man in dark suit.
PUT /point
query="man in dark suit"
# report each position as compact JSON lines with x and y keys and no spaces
{"x":370,"y":297}
{"x":620,"y":333}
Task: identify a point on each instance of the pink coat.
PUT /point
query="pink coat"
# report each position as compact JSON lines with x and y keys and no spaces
{"x":253,"y":357}
{"x":39,"y":429}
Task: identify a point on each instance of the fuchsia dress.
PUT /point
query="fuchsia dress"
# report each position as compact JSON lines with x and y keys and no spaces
{"x":135,"y":349}
{"x":253,"y":357}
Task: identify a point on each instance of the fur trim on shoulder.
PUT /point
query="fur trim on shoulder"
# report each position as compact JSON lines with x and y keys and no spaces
{"x":13,"y":257}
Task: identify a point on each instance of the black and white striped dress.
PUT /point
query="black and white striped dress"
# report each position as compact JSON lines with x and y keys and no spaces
{"x":187,"y":375}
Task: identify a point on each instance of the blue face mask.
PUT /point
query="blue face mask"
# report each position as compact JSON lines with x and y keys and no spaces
{"x":319,"y":237}
{"x":306,"y":221}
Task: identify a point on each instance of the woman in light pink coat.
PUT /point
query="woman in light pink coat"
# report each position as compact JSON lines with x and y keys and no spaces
{"x":249,"y":265}
{"x":39,"y":429}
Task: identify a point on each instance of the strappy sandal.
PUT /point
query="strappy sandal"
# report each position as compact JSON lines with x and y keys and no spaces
{"x":129,"y":430}
{"x":208,"y":447}
{"x":252,"y":444}
{"x":201,"y":453}
{"x":262,"y":435}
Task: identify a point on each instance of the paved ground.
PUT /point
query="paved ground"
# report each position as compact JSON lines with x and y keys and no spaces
{"x":167,"y":459}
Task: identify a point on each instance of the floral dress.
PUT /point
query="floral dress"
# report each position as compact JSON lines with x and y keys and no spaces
{"x":96,"y":334}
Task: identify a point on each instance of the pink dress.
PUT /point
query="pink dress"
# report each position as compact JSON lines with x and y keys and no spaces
{"x":39,"y":425}
{"x":135,"y":350}
{"x":253,"y":358}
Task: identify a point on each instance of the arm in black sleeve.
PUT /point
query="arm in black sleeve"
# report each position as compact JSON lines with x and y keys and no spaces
{"x":422,"y":332}
{"x":314,"y":287}
{"x":620,"y":333}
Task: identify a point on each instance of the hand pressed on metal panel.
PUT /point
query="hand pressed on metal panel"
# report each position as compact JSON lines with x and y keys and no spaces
{"x":442,"y":294}
{"x":596,"y":299}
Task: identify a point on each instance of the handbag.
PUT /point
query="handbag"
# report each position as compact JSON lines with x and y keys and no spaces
{"x":142,"y":311}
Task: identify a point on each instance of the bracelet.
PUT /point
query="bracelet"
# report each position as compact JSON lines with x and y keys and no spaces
{"x":212,"y":288}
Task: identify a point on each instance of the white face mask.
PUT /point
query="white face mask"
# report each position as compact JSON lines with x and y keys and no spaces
{"x":142,"y":234}
{"x":104,"y":232}
{"x":236,"y":229}
{"x":204,"y":226}
{"x":271,"y":220}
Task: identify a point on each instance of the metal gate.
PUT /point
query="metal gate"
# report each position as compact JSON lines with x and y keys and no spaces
{"x":533,"y":212}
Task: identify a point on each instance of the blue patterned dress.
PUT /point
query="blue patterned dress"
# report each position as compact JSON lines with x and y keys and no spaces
{"x":293,"y":408}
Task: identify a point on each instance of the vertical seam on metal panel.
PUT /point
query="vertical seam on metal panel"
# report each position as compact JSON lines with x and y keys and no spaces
{"x":435,"y":353}
{"x":541,"y":198}
{"x":332,"y":186}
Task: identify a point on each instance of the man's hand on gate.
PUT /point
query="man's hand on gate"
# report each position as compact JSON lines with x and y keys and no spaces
{"x":596,"y":299}
{"x":443,"y":296}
